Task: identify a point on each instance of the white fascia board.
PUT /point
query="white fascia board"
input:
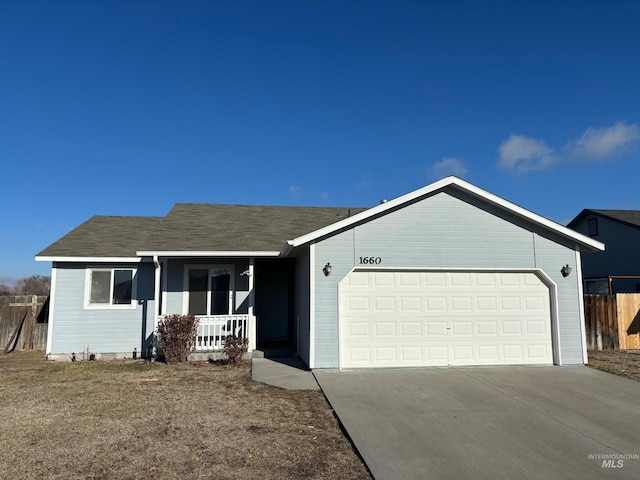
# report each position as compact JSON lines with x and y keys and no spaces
{"x":207,"y":254}
{"x":89,"y":259}
{"x":445,"y":182}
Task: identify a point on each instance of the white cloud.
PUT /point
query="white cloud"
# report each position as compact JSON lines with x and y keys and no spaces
{"x":295,"y":191}
{"x":365,"y":182}
{"x":448,"y":166}
{"x":605,"y":142}
{"x":524,"y":154}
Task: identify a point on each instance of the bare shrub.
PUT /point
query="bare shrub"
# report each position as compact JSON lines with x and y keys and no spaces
{"x":235,"y":348}
{"x":177,"y":336}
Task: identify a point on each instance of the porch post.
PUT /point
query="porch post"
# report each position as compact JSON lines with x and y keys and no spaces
{"x":252,"y":318}
{"x":156,"y":303}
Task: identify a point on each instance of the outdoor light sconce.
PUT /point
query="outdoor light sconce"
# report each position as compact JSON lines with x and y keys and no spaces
{"x":566,"y":270}
{"x":327,"y":269}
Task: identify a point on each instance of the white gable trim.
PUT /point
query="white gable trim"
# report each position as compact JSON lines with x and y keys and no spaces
{"x":582,"y":240}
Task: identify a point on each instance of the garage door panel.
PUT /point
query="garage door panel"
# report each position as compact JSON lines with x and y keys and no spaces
{"x":359,"y":329}
{"x":359,"y":304}
{"x":385,"y":329}
{"x":537,"y":351}
{"x":512,"y":352}
{"x":488,"y":353}
{"x":411,"y":329}
{"x":434,"y":304}
{"x":384,"y":304}
{"x":461,"y":354}
{"x":385,"y":355}
{"x":443,"y":318}
{"x":412,"y":354}
{"x":461,"y":304}
{"x":488,"y":304}
{"x":512,"y":328}
{"x":462,"y":328}
{"x":487,"y":328}
{"x":436,"y":329}
{"x":410,"y":304}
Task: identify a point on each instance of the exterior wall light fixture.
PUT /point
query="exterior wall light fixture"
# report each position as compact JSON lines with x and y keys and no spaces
{"x":566,"y":270}
{"x":327,"y":269}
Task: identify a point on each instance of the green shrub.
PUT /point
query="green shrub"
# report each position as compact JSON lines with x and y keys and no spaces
{"x":177,"y":336}
{"x":235,"y":348}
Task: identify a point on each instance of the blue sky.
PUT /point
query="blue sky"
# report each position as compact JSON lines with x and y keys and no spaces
{"x":125,"y":108}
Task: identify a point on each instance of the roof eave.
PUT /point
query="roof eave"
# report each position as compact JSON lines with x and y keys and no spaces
{"x":86,"y":259}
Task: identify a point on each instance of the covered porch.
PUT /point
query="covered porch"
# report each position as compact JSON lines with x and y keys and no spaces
{"x":221,"y":292}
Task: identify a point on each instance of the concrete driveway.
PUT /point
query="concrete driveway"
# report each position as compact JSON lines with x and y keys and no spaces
{"x":490,"y":422}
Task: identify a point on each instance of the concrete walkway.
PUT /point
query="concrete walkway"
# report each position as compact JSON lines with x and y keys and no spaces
{"x":289,"y":373}
{"x":489,"y":422}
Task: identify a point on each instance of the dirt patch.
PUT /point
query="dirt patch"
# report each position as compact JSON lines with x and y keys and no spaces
{"x":625,"y":363}
{"x":128,"y":419}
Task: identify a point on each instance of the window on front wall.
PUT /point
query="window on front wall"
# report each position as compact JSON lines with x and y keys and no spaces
{"x":593,"y":227}
{"x":596,"y":286}
{"x":209,"y":291}
{"x":109,"y":287}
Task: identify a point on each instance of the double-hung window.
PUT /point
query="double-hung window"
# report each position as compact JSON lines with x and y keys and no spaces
{"x":109,"y":287}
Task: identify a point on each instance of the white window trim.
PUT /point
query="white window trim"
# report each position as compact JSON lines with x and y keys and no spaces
{"x":209,"y":267}
{"x":109,"y":306}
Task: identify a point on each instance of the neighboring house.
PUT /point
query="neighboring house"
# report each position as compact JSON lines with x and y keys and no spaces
{"x":617,"y":269}
{"x":446,"y":275}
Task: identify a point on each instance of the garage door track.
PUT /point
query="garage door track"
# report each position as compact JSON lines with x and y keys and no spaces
{"x":489,"y":422}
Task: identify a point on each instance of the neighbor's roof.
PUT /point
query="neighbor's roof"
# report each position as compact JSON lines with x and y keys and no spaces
{"x":630,"y":217}
{"x":194,"y":228}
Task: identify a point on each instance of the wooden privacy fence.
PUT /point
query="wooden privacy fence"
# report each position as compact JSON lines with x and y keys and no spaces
{"x":612,"y":321}
{"x":23,"y":322}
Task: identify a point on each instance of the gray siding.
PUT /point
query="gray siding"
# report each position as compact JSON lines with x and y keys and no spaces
{"x":102,"y":330}
{"x":174,"y":289}
{"x":446,"y":230}
{"x":338,"y":250}
{"x":551,"y":256}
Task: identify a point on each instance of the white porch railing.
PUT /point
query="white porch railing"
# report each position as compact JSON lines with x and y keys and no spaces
{"x":213,"y":329}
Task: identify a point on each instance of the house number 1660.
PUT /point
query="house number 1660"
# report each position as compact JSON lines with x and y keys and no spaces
{"x":370,"y":260}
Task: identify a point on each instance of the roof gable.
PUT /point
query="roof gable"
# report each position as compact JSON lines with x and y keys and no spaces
{"x":586,"y":243}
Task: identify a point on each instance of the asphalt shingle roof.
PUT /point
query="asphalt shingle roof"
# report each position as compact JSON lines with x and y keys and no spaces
{"x":628,"y":216}
{"x":196,"y":227}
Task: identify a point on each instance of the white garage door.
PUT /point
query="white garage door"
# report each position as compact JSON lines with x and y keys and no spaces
{"x":411,"y":318}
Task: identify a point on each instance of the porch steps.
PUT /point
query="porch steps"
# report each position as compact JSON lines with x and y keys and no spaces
{"x":275,"y":352}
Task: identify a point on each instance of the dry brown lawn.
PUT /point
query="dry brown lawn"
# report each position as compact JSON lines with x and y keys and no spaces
{"x":132,"y":420}
{"x":625,"y":363}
